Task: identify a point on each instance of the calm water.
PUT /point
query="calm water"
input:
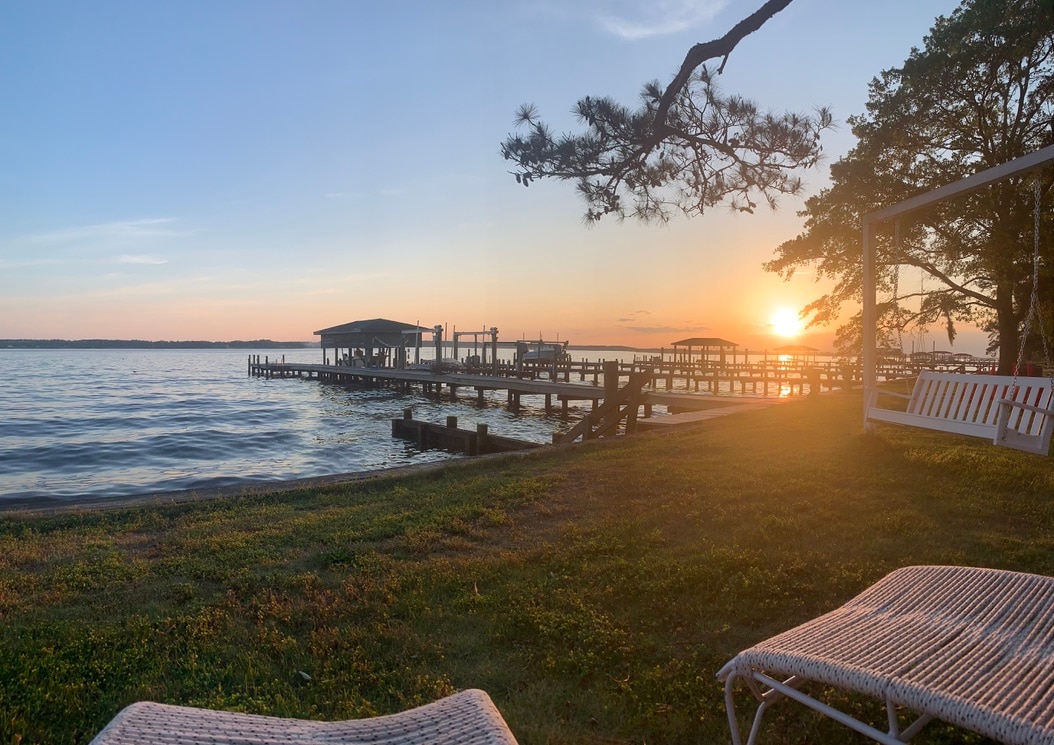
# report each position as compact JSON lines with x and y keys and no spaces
{"x":99,"y":423}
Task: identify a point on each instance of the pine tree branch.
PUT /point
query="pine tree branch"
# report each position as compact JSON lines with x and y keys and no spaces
{"x":709,"y":50}
{"x":687,"y":147}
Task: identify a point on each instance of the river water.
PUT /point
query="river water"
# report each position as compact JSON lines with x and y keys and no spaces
{"x":96,"y":423}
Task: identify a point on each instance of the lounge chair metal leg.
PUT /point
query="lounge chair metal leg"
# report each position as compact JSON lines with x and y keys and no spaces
{"x":756,"y":727}
{"x":730,"y":710}
{"x":915,"y":727}
{"x":839,"y":716}
{"x":765,"y":700}
{"x":891,"y":717}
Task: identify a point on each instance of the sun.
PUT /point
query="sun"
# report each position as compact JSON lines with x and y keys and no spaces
{"x":785,"y":322}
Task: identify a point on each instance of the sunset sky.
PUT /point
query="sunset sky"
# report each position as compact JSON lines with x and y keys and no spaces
{"x":245,"y":169}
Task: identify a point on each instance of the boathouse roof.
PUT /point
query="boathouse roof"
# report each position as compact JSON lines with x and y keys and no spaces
{"x":704,"y":341}
{"x":371,"y":333}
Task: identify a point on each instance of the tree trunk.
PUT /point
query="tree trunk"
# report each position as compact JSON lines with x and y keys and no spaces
{"x":1006,"y":322}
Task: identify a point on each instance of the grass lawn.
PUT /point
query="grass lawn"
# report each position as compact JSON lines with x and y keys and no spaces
{"x":593,"y":591}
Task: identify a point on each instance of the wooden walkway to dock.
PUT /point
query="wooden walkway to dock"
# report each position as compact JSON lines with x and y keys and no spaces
{"x":693,"y":392}
{"x":436,"y":383}
{"x":685,"y":409}
{"x":768,"y":378}
{"x":690,"y":418}
{"x":578,"y":380}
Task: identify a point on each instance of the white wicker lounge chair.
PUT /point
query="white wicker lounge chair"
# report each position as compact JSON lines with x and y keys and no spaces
{"x":972,"y":647}
{"x":466,"y":718}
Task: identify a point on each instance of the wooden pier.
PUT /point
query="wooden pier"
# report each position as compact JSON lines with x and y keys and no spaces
{"x":576,"y":380}
{"x":690,"y":392}
{"x":615,"y":407}
{"x":433,"y":383}
{"x":767,"y":377}
{"x":572,"y":380}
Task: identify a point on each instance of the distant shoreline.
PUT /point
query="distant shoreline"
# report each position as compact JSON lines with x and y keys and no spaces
{"x":141,"y":344}
{"x":257,"y":344}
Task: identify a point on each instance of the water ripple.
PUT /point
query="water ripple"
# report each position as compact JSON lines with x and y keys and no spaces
{"x":97,"y":423}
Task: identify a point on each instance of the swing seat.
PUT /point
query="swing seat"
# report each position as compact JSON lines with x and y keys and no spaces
{"x":1014,"y":413}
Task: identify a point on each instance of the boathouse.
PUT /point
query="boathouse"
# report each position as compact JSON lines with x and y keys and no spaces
{"x":797,"y":353}
{"x":377,"y":342}
{"x":683,"y":349}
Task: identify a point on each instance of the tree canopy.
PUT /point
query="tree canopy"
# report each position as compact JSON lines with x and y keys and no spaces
{"x":979,"y":93}
{"x":687,"y":147}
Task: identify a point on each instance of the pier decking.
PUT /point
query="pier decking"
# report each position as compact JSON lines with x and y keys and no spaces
{"x":582,"y":379}
{"x":578,"y":380}
{"x":687,"y":388}
{"x":435,"y":383}
{"x":692,"y":417}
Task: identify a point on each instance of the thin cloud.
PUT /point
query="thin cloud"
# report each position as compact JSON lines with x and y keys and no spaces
{"x":631,"y":317}
{"x":336,"y":285}
{"x":147,"y":289}
{"x":667,"y":329}
{"x":148,"y":260}
{"x":6,"y":264}
{"x":354,"y":195}
{"x":151,"y":227}
{"x":644,"y":20}
{"x":346,"y":279}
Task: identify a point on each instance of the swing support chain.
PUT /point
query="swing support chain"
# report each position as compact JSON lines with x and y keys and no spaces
{"x":1033,"y":304}
{"x":1033,"y":307}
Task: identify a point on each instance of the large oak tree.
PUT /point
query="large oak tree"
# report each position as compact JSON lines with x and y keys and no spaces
{"x":979,"y":93}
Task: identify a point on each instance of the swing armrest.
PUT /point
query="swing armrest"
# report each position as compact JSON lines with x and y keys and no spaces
{"x":1029,"y":407}
{"x":905,"y":396}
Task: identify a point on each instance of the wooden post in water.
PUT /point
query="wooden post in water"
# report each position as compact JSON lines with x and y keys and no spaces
{"x":611,"y":369}
{"x":814,"y":381}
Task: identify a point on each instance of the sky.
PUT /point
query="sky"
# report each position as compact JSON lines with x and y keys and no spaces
{"x":248,"y":169}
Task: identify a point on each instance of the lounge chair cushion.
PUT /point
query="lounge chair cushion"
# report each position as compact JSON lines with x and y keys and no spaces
{"x":970,"y":646}
{"x":466,"y":718}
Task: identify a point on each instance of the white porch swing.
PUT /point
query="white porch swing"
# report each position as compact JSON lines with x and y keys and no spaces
{"x":1015,"y":412}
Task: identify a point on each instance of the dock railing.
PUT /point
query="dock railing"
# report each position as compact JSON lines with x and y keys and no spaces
{"x":619,"y":404}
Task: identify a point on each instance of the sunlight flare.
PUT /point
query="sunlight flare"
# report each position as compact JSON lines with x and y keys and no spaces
{"x":785,"y":322}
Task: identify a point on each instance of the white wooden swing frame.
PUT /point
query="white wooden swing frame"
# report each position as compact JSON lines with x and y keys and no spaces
{"x":1011,"y":412}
